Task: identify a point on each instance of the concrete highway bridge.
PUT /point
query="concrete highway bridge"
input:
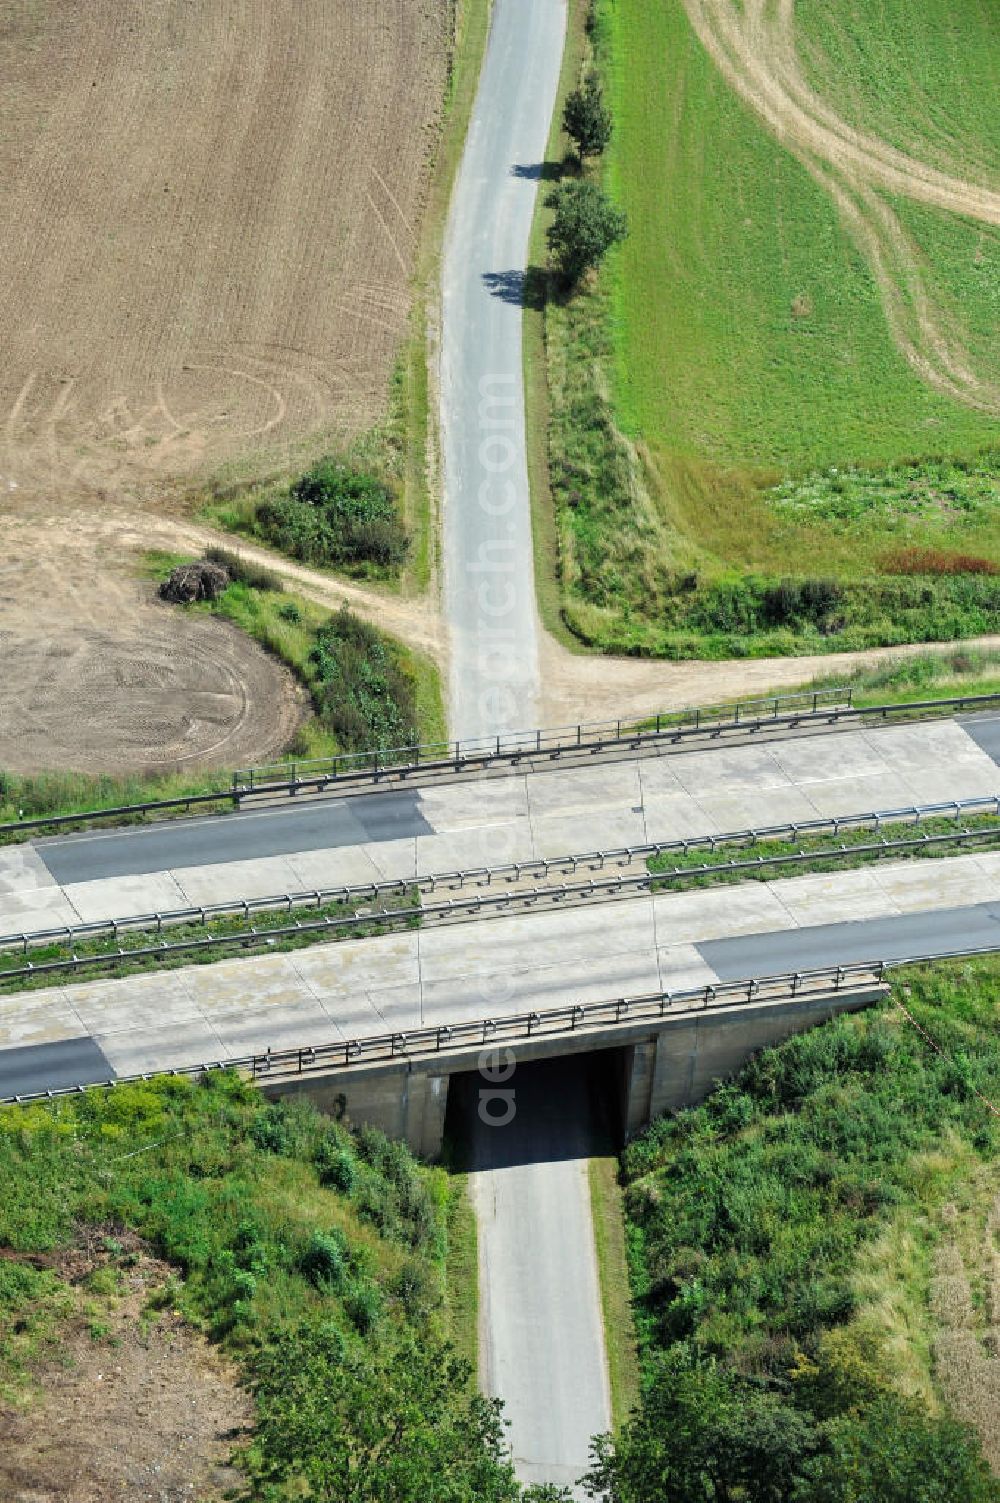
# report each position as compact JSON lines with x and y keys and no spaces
{"x":532,"y":953}
{"x":540,"y":932}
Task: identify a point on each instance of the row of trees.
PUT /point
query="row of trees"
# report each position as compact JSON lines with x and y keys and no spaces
{"x":585,"y":224}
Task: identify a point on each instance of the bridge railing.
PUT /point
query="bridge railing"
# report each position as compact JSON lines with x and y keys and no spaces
{"x":427,"y":1043}
{"x":443,"y":761}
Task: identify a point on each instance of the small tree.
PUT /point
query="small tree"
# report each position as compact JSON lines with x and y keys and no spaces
{"x":585,"y":227}
{"x":587,"y":119}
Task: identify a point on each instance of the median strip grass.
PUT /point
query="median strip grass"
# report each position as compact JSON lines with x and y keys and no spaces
{"x":217,"y":939}
{"x":934,"y":837}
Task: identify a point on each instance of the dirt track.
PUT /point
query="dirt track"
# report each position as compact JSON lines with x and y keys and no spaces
{"x":207,"y":226}
{"x":754,"y":47}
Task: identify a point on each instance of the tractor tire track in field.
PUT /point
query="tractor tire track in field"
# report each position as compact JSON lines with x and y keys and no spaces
{"x":754,"y":48}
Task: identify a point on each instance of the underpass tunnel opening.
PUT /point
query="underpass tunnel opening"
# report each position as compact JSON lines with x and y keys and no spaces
{"x":515,"y":1111}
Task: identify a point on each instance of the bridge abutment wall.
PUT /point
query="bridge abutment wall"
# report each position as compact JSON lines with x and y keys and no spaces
{"x":663,"y":1066}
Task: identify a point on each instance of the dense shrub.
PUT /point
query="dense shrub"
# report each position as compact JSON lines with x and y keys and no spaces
{"x":748,"y":1215}
{"x":338,"y":516}
{"x":363,"y":694}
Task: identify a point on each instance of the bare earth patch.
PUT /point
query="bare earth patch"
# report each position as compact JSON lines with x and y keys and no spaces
{"x":147,"y":1413}
{"x":208,"y":222}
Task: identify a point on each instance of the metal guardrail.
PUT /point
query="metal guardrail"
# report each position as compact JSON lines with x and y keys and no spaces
{"x":425,"y":1043}
{"x":478,"y":904}
{"x":454,"y":758}
{"x":448,"y":758}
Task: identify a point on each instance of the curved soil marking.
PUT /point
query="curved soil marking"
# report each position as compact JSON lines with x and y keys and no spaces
{"x":754,"y":49}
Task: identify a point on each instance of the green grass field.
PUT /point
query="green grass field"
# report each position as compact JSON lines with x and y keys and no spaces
{"x":733,"y":371}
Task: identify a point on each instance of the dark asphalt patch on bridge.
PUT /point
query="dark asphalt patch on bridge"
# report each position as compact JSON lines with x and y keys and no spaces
{"x":247,"y":836}
{"x":984,"y":730}
{"x":51,"y":1067}
{"x":912,"y":935}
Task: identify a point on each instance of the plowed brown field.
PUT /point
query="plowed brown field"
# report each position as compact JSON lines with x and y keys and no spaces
{"x":208,"y":213}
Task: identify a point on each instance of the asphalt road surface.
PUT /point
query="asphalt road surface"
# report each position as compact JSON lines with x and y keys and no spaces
{"x":489,"y":587}
{"x":541,"y":1335}
{"x":314,"y":826}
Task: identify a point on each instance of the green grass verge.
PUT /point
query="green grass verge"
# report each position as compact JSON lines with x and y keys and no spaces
{"x":612,"y":1268}
{"x":461,"y":1302}
{"x":919,"y":675}
{"x":314,"y":1255}
{"x":782,"y":1240}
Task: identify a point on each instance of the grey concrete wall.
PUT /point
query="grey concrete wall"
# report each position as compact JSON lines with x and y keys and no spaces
{"x":663,"y":1066}
{"x":406,"y":1101}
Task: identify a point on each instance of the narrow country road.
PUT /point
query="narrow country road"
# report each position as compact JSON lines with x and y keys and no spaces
{"x":489,"y":588}
{"x":542,"y":1339}
{"x":541,"y":1343}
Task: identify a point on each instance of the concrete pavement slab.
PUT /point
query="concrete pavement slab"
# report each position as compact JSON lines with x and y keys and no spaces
{"x":834,"y":896}
{"x":394,"y":1007}
{"x":37,"y":1018}
{"x":928,"y":747}
{"x":564,"y":835}
{"x":456,"y":999}
{"x":753,"y":811}
{"x":549,"y":936}
{"x":584,"y":790}
{"x":237,"y":879}
{"x":140,"y":1050}
{"x":38,"y":908}
{"x":680,"y":818}
{"x":927,"y":884}
{"x":393,"y":858}
{"x":489,"y":845}
{"x":984,"y":732}
{"x":238,"y":986}
{"x":262,"y":1028}
{"x":725,"y":769}
{"x":715,"y":913}
{"x":658,"y":779}
{"x":357,"y":964}
{"x":145,"y":1001}
{"x":22,"y":870}
{"x":955,"y":780}
{"x":811,"y":759}
{"x":344,"y":866}
{"x":861,"y":795}
{"x":464,"y":806}
{"x":124,"y":897}
{"x":682,"y":967}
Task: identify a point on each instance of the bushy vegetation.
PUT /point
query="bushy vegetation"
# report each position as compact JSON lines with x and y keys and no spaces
{"x":767,"y":1370}
{"x":585,"y":226}
{"x":364,"y":694}
{"x":245,"y":571}
{"x":587,"y":119}
{"x":337,"y":516}
{"x":921,"y":675}
{"x":329,"y":1297}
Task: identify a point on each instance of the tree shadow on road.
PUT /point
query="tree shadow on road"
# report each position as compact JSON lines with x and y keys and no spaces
{"x":524,"y":289}
{"x":539,"y":172}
